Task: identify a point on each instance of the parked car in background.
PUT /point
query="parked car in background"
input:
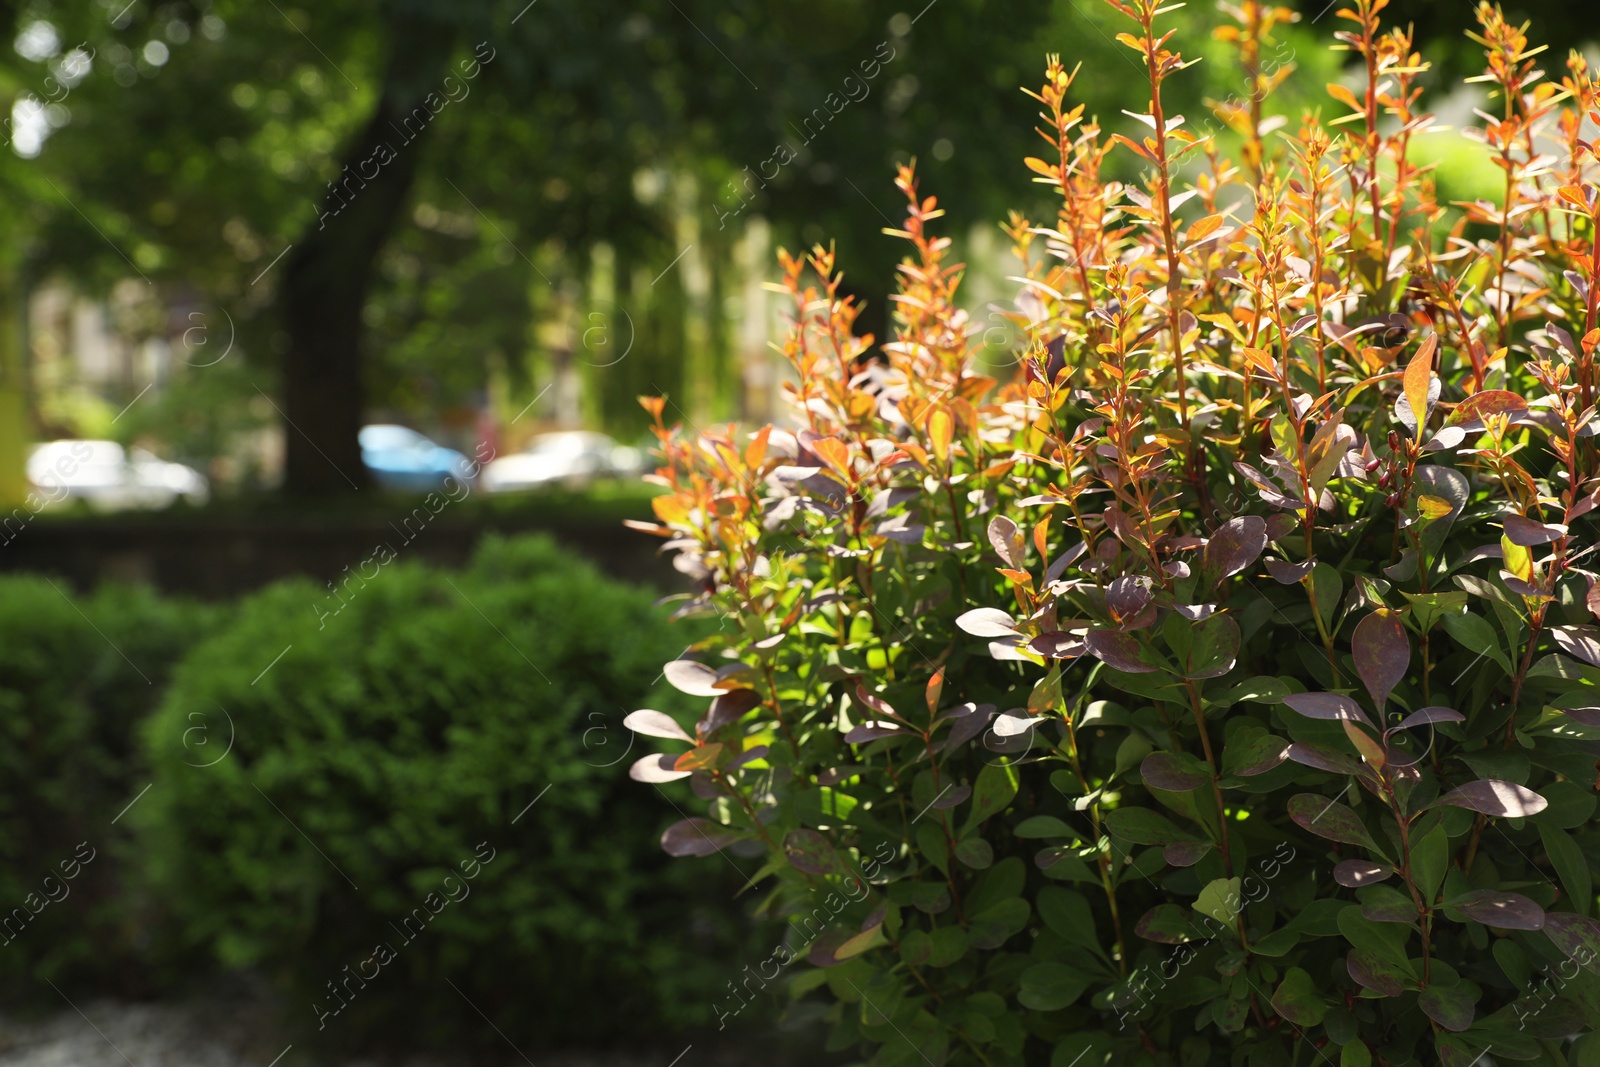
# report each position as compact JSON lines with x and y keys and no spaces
{"x":108,"y":477}
{"x":400,"y":458}
{"x":571,"y":457}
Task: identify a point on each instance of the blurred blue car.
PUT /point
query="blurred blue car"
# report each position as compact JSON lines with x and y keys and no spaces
{"x":401,"y":459}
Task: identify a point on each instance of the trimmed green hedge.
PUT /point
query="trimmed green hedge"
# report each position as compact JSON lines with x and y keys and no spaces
{"x":368,"y":841}
{"x":78,"y":673}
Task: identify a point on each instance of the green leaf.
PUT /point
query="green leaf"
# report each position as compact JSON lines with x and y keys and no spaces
{"x":1068,"y":914}
{"x":933,"y":847}
{"x":1430,"y":859}
{"x":1571,"y":865}
{"x":1355,"y":1053}
{"x":1428,"y":608}
{"x":996,"y":925}
{"x":1045,"y":826}
{"x":1221,"y":899}
{"x":1143,"y":826}
{"x":916,"y":947}
{"x":1328,"y":587}
{"x":1297,"y":999}
{"x":1571,"y":805}
{"x":976,"y":853}
{"x":1051,"y":986}
{"x":1262,"y":689}
{"x":862,"y":942}
{"x":996,"y":786}
{"x":949,"y":945}
{"x":1213,"y":647}
{"x":1046,"y":694}
{"x":1476,"y":635}
{"x":1386,"y":941}
{"x":932,"y":898}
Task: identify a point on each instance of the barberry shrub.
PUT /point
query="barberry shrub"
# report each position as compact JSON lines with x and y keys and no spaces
{"x":1218,"y":684}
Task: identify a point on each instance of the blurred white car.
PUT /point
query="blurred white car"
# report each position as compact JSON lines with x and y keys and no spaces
{"x":572,"y":457}
{"x":110,"y":478}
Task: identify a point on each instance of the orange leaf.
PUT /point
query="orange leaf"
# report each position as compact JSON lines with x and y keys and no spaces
{"x":699,"y":759}
{"x":1041,"y":534}
{"x":1344,"y":96}
{"x":1418,"y":373}
{"x":1488,"y":402}
{"x":756,"y":451}
{"x":941,"y":431}
{"x":833,"y":452}
{"x":935,"y":687}
{"x":1203,"y":229}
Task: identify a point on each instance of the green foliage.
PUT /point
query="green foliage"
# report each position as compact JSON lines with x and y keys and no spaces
{"x":439,"y":736}
{"x":1221,"y":686}
{"x":76,"y":679}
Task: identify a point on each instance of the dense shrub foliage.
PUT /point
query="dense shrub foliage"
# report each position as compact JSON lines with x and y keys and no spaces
{"x":428,"y":790}
{"x":1219,"y":684}
{"x":78,"y":673}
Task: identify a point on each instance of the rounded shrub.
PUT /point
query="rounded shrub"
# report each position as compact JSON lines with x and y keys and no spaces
{"x":1220,"y":684}
{"x":78,"y":675}
{"x":423,"y":812}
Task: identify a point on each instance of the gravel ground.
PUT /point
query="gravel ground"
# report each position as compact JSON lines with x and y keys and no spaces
{"x":108,"y":1033}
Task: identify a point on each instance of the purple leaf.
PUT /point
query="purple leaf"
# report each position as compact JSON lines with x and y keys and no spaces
{"x":1451,"y":1006}
{"x":728,"y":708}
{"x":655,"y":724}
{"x":987,"y":622}
{"x":1490,"y":796}
{"x":1585,"y":716}
{"x":1329,"y":819}
{"x":1578,"y":936}
{"x":873,"y":730}
{"x":1354,"y":874}
{"x":1185,"y":853}
{"x":1008,"y":542}
{"x":1015,"y":723}
{"x":1128,"y":600}
{"x":1058,"y":644}
{"x":1172,"y":773}
{"x":810,"y":852}
{"x":1285,"y":573}
{"x":1323,"y":758}
{"x":656,"y":769}
{"x":1526,"y":532}
{"x":1326,"y":706}
{"x":1429,"y":715}
{"x":953,"y":796}
{"x":1385,"y":905}
{"x":1119,"y":650}
{"x":1236,"y":544}
{"x":823,"y":949}
{"x":694,"y":678}
{"x":1258,"y":755}
{"x":966,"y":726}
{"x":1165,"y":924}
{"x":1582,"y":642}
{"x":1382,"y":653}
{"x":1371,"y":972}
{"x":1499,"y":909}
{"x":696,"y":837}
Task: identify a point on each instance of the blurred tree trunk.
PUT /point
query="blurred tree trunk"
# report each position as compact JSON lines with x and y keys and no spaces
{"x":330,"y":269}
{"x":13,"y":390}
